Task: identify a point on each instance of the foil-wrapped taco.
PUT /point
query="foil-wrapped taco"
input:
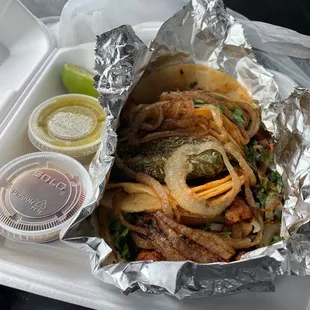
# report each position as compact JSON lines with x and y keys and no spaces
{"x":201,"y":186}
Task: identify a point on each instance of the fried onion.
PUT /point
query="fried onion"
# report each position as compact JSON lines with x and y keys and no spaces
{"x":176,"y":169}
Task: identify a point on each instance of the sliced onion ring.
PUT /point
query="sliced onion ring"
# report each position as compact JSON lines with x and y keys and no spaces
{"x":159,"y":190}
{"x":121,"y":218}
{"x":230,"y":148}
{"x":176,"y":169}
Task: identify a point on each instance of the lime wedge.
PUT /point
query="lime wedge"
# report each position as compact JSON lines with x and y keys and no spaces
{"x":78,"y":80}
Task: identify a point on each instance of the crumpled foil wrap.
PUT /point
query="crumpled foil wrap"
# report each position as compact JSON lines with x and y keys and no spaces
{"x":202,"y":32}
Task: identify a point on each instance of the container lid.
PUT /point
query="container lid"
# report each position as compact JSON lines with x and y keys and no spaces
{"x":24,"y":46}
{"x":70,"y":124}
{"x":39,"y":193}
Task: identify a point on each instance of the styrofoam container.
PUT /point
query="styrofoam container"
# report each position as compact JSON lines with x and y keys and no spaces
{"x":30,"y":71}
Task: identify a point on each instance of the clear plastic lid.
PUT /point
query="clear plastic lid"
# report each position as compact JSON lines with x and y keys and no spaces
{"x":39,"y":193}
{"x":70,"y":124}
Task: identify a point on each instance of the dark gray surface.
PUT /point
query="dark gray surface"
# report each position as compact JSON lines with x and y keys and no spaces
{"x":293,"y":14}
{"x":11,"y":299}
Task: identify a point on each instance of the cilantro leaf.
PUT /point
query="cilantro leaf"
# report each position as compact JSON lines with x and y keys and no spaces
{"x":121,"y":239}
{"x":265,"y":156}
{"x":276,"y":239}
{"x":116,"y":227}
{"x":278,"y":213}
{"x":206,"y":226}
{"x":262,"y":193}
{"x":262,"y":197}
{"x":130,"y":217}
{"x":125,"y":250}
{"x":222,"y":108}
{"x":124,"y":233}
{"x":256,"y":153}
{"x":275,"y":176}
{"x":224,"y":233}
{"x":198,"y":102}
{"x":238,"y":111}
{"x":249,"y":154}
{"x":121,"y":244}
{"x":237,"y":116}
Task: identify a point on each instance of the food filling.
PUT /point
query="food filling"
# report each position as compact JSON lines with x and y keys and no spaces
{"x":193,"y":179}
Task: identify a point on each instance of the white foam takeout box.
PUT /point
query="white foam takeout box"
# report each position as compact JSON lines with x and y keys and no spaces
{"x":30,"y":68}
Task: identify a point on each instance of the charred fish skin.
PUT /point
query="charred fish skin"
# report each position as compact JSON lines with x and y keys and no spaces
{"x":151,"y":157}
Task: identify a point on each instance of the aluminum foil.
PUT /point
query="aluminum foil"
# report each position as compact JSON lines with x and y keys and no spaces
{"x":202,"y":32}
{"x":292,"y":152}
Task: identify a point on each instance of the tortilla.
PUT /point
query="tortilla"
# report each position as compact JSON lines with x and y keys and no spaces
{"x":187,"y":77}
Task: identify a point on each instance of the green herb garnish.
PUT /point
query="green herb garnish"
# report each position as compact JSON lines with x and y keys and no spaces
{"x":125,"y":251}
{"x":267,"y":194}
{"x":121,"y":238}
{"x":121,"y":244}
{"x":224,"y":233}
{"x":237,"y":116}
{"x":256,"y":153}
{"x":221,"y":107}
{"x":124,"y":233}
{"x":249,"y":154}
{"x":276,"y":177}
{"x":193,"y":84}
{"x":276,"y":239}
{"x":206,"y":226}
{"x":265,"y":156}
{"x":278,"y":213}
{"x":262,"y":197}
{"x":116,"y":227}
{"x":130,"y":217}
{"x":198,"y":102}
{"x":263,"y":192}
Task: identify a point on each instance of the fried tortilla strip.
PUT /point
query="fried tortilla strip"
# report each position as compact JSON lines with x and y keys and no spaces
{"x":221,"y":189}
{"x":211,"y":184}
